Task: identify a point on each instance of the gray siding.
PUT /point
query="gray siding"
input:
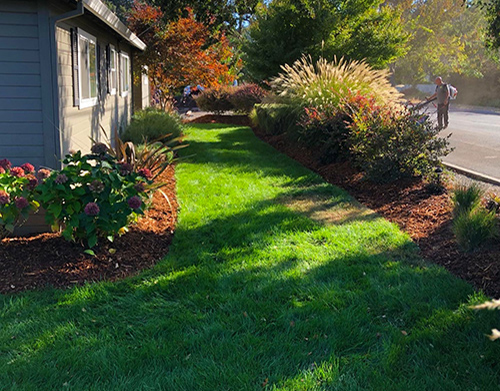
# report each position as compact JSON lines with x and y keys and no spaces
{"x":21,"y":119}
{"x":112,"y":112}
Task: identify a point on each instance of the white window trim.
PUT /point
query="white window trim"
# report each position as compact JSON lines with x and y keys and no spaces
{"x":88,"y":102}
{"x":127,"y":74}
{"x":113,"y":54}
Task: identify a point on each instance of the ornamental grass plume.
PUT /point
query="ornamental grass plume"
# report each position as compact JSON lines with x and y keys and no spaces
{"x":91,"y":209}
{"x":325,"y":83}
{"x":4,"y":198}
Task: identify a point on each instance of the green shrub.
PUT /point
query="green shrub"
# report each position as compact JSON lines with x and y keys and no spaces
{"x":17,"y":194}
{"x":466,"y":197}
{"x":245,"y":97}
{"x":388,"y":145}
{"x":215,"y":100}
{"x":275,"y":118}
{"x":94,"y":196}
{"x":151,"y":124}
{"x":474,"y":228}
{"x":327,"y":131}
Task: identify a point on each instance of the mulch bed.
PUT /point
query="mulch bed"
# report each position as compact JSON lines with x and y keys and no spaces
{"x":425,"y":217}
{"x":48,"y":260}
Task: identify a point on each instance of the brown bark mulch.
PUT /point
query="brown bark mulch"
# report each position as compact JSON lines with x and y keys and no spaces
{"x":48,"y":260}
{"x":424,"y":216}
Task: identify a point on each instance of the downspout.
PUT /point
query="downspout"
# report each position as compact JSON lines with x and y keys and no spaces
{"x":79,"y":11}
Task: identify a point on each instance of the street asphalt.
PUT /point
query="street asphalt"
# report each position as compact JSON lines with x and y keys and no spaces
{"x":475,"y":134}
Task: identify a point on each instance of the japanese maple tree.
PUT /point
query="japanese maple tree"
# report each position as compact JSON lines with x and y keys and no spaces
{"x":182,"y":52}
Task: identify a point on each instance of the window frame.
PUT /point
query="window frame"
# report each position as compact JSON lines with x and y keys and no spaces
{"x":124,"y":73}
{"x":113,"y":54}
{"x":92,"y":101}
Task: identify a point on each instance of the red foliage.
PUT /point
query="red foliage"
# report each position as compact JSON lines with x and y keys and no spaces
{"x":182,"y":52}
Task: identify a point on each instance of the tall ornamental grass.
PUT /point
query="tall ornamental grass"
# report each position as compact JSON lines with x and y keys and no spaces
{"x":324,"y":83}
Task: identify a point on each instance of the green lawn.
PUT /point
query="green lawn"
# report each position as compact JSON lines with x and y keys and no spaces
{"x":256,"y":295}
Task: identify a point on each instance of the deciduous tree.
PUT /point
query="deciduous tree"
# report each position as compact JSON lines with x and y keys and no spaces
{"x":180,"y":52}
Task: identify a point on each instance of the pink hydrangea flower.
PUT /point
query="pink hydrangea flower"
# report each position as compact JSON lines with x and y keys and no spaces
{"x":99,"y":148}
{"x":4,"y":198}
{"x":32,"y":182}
{"x":28,"y":168}
{"x":5,"y":164}
{"x":145,"y":173}
{"x":42,"y":174}
{"x":91,"y":209}
{"x":139,"y":187}
{"x":134,"y":202}
{"x":2,"y":170}
{"x":21,"y":203}
{"x":96,"y":186}
{"x":61,"y":179}
{"x":126,"y":168}
{"x":17,"y":171}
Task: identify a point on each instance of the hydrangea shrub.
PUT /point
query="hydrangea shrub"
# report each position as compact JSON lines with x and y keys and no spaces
{"x":17,"y":194}
{"x":94,"y":196}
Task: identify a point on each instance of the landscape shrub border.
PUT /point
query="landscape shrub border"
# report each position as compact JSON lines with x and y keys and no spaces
{"x":240,"y":99}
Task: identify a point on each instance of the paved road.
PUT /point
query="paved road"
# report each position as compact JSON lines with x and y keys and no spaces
{"x":476,"y":138}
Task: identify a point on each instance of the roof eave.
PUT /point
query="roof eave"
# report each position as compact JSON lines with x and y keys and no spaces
{"x":100,"y":10}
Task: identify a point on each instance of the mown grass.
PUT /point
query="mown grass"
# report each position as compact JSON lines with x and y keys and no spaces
{"x":254,"y":295}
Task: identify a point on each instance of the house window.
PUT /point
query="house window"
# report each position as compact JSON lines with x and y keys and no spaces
{"x":124,"y":74}
{"x":87,"y":69}
{"x":113,"y":75}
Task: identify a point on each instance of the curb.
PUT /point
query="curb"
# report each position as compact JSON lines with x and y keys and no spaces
{"x":473,"y":174}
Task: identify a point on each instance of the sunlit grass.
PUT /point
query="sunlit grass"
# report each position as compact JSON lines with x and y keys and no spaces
{"x":256,"y":295}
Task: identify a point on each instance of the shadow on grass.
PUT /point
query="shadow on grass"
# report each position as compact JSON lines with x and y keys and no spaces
{"x":264,"y":298}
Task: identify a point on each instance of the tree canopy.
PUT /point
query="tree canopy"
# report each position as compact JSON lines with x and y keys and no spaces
{"x":284,"y":30}
{"x":446,"y":37}
{"x":181,"y":52}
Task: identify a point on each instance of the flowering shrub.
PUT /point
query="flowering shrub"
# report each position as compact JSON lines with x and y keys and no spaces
{"x":94,"y":196}
{"x":17,"y":194}
{"x":216,"y":100}
{"x":245,"y":97}
{"x":389,"y":144}
{"x":326,"y":130}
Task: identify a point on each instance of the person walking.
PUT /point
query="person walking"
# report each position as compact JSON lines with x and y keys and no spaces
{"x":442,"y":95}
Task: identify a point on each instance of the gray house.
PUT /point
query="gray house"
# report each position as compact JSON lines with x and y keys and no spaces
{"x":65,"y":72}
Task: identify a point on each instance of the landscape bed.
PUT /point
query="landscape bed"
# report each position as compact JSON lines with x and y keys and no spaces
{"x":49,"y":260}
{"x":426,"y":217}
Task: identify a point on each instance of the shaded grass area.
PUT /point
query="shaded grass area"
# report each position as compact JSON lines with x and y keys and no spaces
{"x":256,"y":295}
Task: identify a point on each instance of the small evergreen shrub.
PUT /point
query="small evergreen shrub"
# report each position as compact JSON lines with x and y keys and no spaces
{"x":275,"y":118}
{"x":215,"y":100}
{"x":94,"y":196}
{"x":151,"y":124}
{"x":466,"y":198}
{"x":475,"y":227}
{"x":17,"y":194}
{"x":245,"y":97}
